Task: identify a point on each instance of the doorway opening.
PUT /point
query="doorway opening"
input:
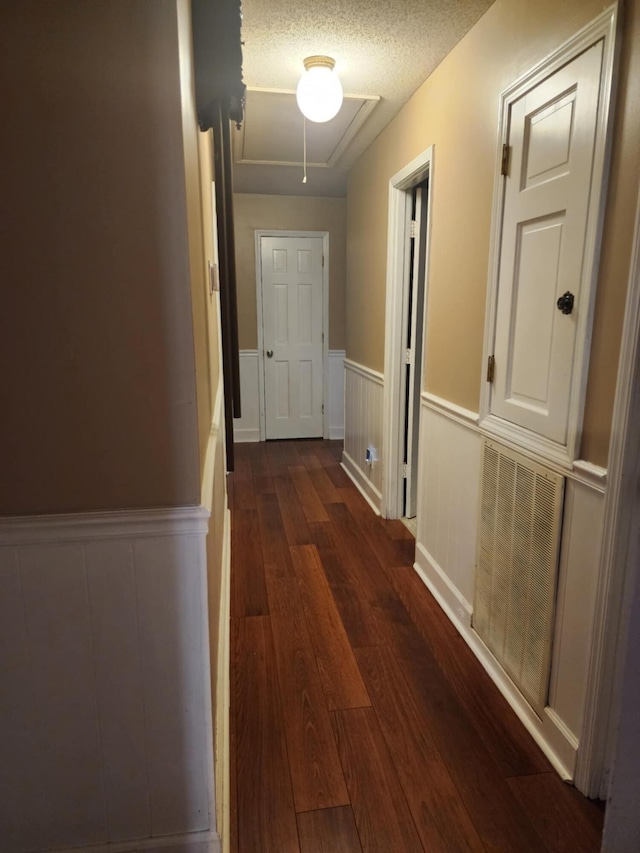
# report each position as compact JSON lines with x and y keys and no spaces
{"x":413,"y":313}
{"x":407,"y":285}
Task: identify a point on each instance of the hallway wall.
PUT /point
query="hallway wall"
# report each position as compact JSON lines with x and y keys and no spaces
{"x":292,"y":213}
{"x":456,"y":109}
{"x":99,"y":394}
{"x":114,"y":525}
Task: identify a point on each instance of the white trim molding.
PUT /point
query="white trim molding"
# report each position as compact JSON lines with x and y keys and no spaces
{"x":361,"y":457}
{"x":451,"y":410}
{"x":606,"y":28}
{"x":259,"y":234}
{"x":590,"y":474}
{"x":399,"y":217}
{"x":192,"y":842}
{"x":98,"y":526}
{"x":365,"y":372}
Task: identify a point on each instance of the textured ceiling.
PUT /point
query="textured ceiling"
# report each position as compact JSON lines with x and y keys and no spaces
{"x":381,"y":48}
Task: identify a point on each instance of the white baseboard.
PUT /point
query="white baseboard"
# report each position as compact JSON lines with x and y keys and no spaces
{"x":551,"y":735}
{"x":193,"y":842}
{"x":246,"y":436}
{"x":362,"y":482}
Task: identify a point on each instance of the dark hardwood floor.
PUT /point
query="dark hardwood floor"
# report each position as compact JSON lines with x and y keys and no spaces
{"x":360,"y":719}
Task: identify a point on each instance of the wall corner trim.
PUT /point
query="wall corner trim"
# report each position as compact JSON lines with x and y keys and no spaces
{"x":590,"y":474}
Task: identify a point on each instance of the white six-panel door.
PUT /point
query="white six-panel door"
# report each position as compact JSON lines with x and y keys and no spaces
{"x":292,"y":316}
{"x":552,"y":136}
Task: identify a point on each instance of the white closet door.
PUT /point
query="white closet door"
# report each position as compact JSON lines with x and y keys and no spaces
{"x":291,"y":269}
{"x":542,"y":252}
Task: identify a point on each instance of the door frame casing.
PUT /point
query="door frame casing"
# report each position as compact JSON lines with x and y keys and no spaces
{"x":398,"y":229}
{"x":259,"y":234}
{"x":605,"y":27}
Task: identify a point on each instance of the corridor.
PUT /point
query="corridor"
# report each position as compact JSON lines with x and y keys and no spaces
{"x":360,"y":719}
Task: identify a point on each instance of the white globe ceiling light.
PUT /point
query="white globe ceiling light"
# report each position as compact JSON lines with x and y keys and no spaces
{"x":319,"y":92}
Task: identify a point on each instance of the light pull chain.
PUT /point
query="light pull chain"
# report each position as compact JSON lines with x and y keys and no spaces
{"x":304,"y":141}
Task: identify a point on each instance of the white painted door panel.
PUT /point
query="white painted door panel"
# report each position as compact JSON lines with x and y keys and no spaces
{"x":291,"y":269}
{"x":543,"y":243}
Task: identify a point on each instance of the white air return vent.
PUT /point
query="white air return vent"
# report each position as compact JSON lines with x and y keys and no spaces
{"x":517,"y":562}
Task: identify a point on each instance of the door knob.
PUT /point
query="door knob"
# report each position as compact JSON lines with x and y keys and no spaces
{"x":565,"y":303}
{"x":269,"y":353}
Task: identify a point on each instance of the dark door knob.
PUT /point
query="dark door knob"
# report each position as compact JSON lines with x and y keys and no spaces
{"x":565,"y":303}
{"x":269,"y":353}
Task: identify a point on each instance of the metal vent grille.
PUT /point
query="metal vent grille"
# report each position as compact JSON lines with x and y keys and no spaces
{"x":518,"y":543}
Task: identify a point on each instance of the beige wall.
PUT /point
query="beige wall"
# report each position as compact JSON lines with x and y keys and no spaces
{"x":205,"y":312}
{"x":97,"y":384}
{"x":198,"y":254}
{"x":292,"y":213}
{"x":456,"y":110}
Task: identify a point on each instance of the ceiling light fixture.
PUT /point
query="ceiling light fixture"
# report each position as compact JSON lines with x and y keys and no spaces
{"x":319,"y":92}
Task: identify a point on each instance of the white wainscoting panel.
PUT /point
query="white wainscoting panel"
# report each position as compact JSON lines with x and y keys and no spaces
{"x":105,"y":720}
{"x":449,"y":489}
{"x":364,"y":400}
{"x":576,"y":601}
{"x":336,"y":393}
{"x":247,"y":428}
{"x":448,"y":495}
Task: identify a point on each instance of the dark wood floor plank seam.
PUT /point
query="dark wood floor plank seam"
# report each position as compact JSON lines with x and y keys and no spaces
{"x":249,"y":589}
{"x":312,"y":505}
{"x":500,"y":824}
{"x":339,"y":673}
{"x":383,"y":818}
{"x":265,"y":789}
{"x":318,"y":781}
{"x":439,"y":813}
{"x":353,"y":604}
{"x":293,"y":518}
{"x":329,"y":831}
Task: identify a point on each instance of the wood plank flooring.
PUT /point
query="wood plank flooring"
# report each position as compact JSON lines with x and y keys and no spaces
{"x":360,"y":719}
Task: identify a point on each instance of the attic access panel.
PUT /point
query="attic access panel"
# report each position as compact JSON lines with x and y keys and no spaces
{"x":272,"y":133}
